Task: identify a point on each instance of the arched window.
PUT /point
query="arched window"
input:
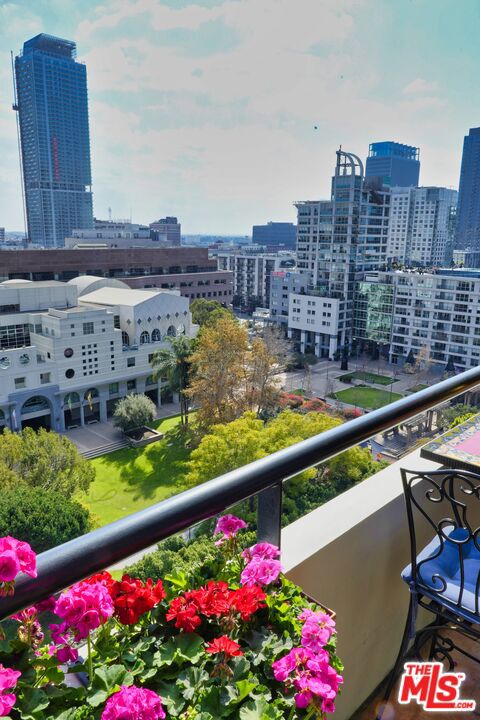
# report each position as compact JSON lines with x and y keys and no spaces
{"x":171,"y":332}
{"x":35,"y":404}
{"x":71,"y":398}
{"x":144,"y":338}
{"x":90,"y":394}
{"x":125,"y":339}
{"x":156,"y":335}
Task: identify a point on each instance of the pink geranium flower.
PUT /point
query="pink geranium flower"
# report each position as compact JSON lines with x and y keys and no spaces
{"x":84,"y":607}
{"x":260,"y":572}
{"x":263,"y":550}
{"x":26,"y":557}
{"x":9,"y":566}
{"x":310,"y":675}
{"x":8,"y":680}
{"x":133,"y":703}
{"x":228,"y":526}
{"x":317,"y":630}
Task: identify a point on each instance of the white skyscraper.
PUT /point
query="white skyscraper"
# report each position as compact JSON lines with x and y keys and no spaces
{"x":421,"y":226}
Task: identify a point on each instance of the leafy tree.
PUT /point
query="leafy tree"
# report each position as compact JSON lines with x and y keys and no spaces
{"x":134,"y":411}
{"x":218,"y":372}
{"x":45,"y":460}
{"x":242,"y":441}
{"x":263,"y":387}
{"x":253,"y":301}
{"x":278,"y":345}
{"x":43,"y":518}
{"x":461,"y":419}
{"x":229,"y":376}
{"x":207,"y":312}
{"x":450,"y":367}
{"x":174,"y":363}
{"x":453,"y":415}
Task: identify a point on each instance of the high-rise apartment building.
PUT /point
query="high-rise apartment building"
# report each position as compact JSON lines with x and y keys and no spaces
{"x":467,"y":233}
{"x":337,"y":242}
{"x":252,"y":274}
{"x":52,"y":105}
{"x":433,"y":313}
{"x":421,"y":226}
{"x":394,"y":164}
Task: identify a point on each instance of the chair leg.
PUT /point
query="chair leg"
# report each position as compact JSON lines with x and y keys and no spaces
{"x":407,"y":635}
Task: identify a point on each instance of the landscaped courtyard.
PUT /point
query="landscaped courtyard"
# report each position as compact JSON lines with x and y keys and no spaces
{"x":366,"y":397}
{"x":368,"y":377}
{"x":131,"y":479}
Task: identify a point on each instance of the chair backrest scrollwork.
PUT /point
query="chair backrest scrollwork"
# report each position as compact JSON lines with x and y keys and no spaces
{"x":447,"y":502}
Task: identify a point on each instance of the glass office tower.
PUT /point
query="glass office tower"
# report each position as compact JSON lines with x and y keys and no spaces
{"x":394,"y":164}
{"x":52,"y":102}
{"x":467,"y":233}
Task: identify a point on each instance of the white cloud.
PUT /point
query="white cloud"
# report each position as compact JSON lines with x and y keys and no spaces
{"x":420,"y":86}
{"x":220,"y":130}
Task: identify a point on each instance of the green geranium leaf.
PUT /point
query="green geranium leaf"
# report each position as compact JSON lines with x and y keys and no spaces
{"x":179,"y":578}
{"x":107,"y":680}
{"x":191,"y":681}
{"x":68,"y":715}
{"x":244,"y":688}
{"x":211,"y":702}
{"x":240,"y":667}
{"x":172,"y":697}
{"x":165,"y":655}
{"x":259,"y":709}
{"x":189,"y":646}
{"x":32,"y":703}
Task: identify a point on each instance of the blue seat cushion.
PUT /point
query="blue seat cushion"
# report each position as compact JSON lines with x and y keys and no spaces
{"x":439,"y":571}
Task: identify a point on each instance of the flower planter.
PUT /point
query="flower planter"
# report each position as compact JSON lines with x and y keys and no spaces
{"x":238,"y":640}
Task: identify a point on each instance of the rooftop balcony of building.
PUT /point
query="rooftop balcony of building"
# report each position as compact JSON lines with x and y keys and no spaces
{"x":348,"y":554}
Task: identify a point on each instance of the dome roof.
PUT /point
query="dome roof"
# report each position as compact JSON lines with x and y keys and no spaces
{"x":17,"y":281}
{"x":88,"y":283}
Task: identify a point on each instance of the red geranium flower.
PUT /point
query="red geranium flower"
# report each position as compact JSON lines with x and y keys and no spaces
{"x":132,"y":598}
{"x":224,"y":645}
{"x":247,"y":600}
{"x":185,"y":614}
{"x":214,"y":599}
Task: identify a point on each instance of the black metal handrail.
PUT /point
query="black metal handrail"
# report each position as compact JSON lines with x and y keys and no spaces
{"x":76,"y":559}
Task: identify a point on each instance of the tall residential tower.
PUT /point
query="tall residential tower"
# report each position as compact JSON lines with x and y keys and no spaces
{"x":52,"y":103}
{"x":468,"y":213}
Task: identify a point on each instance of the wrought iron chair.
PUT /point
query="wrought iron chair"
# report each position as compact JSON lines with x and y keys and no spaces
{"x":444,"y":576}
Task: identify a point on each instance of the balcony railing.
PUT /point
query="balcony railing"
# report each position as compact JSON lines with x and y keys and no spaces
{"x":76,"y":559}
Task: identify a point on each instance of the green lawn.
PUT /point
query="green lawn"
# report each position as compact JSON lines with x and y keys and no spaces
{"x":367,"y":377}
{"x":416,"y":388}
{"x":131,"y":479}
{"x":367,"y":398}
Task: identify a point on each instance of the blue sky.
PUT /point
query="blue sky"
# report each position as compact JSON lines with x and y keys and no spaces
{"x":207,"y":109}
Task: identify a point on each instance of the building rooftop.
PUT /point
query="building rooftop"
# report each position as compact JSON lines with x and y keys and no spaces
{"x":120,"y":296}
{"x":388,"y":148}
{"x":8,"y":284}
{"x":50,"y":45}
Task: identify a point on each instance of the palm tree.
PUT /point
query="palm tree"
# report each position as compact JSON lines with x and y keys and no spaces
{"x":173,"y":363}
